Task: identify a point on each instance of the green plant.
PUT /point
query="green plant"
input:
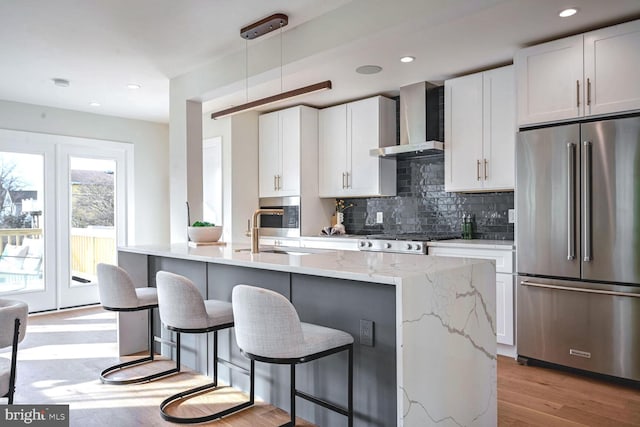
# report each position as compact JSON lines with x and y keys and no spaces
{"x":340,"y":206}
{"x":203,"y":224}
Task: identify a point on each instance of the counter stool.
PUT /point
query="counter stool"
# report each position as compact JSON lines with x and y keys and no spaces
{"x":118,"y":293}
{"x":13,"y":327}
{"x":183,"y":310}
{"x":269,"y":330}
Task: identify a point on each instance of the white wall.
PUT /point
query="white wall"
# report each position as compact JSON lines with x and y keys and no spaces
{"x":239,"y":170}
{"x":151,"y":151}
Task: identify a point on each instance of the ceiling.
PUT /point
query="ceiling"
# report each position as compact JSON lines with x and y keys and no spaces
{"x":101,"y":46}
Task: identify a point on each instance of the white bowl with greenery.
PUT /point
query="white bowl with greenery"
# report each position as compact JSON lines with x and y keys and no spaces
{"x":204,"y":232}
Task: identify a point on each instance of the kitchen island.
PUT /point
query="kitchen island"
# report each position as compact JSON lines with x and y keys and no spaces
{"x":433,"y":353}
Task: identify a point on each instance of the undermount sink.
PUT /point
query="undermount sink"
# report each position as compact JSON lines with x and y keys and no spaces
{"x":276,"y":251}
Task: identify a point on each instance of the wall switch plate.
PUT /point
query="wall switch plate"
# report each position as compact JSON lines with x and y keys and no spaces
{"x":366,"y":332}
{"x":512,"y":215}
{"x":379,"y":218}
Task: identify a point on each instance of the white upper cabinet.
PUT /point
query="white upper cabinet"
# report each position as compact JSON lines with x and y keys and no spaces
{"x":347,"y":133}
{"x":281,"y":134}
{"x":480,"y":131}
{"x":580,"y":76}
{"x":611,"y":67}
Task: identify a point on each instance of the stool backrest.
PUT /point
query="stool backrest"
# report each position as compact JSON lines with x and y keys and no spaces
{"x":266,"y":323}
{"x":115,"y":287}
{"x":10,"y":310}
{"x":180,"y":303}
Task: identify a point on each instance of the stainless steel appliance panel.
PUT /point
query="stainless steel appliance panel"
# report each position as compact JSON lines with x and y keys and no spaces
{"x":548,"y":196}
{"x":587,"y":326}
{"x":286,"y":225}
{"x":611,"y":200}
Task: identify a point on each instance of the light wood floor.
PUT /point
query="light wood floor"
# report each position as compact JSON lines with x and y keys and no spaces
{"x":63,"y":353}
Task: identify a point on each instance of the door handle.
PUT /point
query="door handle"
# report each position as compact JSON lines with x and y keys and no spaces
{"x":577,"y":93}
{"x":279,"y":183}
{"x":347,"y":174}
{"x":588,"y":92}
{"x":275,"y":182}
{"x":478,"y":169}
{"x":485,"y":169}
{"x":582,"y":290}
{"x":586,"y":199}
{"x":571,"y":201}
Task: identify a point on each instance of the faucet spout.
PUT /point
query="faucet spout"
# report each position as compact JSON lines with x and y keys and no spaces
{"x":255,"y":236}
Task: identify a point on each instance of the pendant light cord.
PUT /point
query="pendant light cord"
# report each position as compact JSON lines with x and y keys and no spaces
{"x":246,"y":70}
{"x":281,"y":86}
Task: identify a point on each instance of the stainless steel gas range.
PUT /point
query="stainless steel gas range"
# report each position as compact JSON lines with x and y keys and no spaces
{"x":409,"y":243}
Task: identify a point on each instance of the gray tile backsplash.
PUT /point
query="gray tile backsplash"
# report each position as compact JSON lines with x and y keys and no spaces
{"x":422,"y":206}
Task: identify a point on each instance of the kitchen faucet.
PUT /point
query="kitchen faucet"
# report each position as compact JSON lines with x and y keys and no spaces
{"x":255,"y":244}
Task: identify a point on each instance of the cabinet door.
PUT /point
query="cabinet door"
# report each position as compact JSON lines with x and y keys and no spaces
{"x":550,"y":86}
{"x":269,"y":153}
{"x":332,"y":152}
{"x":363,"y":135}
{"x":499,"y":129}
{"x":612,"y":61}
{"x":504,"y":308}
{"x":290,"y":148}
{"x":463,"y":134}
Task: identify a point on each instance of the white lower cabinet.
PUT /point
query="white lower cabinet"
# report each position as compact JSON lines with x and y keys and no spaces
{"x":505,"y":319}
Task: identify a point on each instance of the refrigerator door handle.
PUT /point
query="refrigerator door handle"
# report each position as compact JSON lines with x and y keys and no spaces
{"x":571,"y":201}
{"x":586,"y":199}
{"x":583,"y":290}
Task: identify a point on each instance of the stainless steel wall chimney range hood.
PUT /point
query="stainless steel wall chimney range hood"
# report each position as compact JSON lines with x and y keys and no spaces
{"x":421,"y":122}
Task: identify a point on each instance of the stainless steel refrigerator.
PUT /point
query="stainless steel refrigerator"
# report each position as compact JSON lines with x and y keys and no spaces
{"x":578,"y":245}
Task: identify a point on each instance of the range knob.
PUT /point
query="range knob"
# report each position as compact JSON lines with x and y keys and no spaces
{"x":387,"y":245}
{"x":369,"y":244}
{"x":409,"y":246}
{"x":363,"y":243}
{"x":418,"y":247}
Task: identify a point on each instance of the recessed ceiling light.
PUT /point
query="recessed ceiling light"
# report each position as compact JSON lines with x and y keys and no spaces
{"x":368,"y":69}
{"x":407,"y":59}
{"x":94,"y":103}
{"x":134,"y":86}
{"x":568,"y":12}
{"x":60,"y":82}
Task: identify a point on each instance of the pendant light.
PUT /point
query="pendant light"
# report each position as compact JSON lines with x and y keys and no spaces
{"x":255,"y":30}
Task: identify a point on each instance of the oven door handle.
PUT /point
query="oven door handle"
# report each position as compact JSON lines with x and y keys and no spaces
{"x":583,"y":290}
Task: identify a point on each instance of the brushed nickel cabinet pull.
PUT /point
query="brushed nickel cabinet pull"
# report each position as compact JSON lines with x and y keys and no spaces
{"x":478,"y":169}
{"x":485,"y":169}
{"x":588,"y":92}
{"x":275,"y":182}
{"x":577,"y":93}
{"x":347,"y":179}
{"x":343,"y":184}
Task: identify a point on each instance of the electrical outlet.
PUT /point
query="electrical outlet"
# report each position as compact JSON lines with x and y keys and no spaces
{"x":379,"y":218}
{"x":512,"y":215}
{"x":366,"y":332}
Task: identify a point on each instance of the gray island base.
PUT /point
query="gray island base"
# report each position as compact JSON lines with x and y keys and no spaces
{"x":433,"y":358}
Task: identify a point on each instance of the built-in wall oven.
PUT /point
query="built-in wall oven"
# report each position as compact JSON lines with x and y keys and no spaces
{"x":286,"y":225}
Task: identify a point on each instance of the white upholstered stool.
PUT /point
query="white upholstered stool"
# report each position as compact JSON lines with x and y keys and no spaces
{"x":118,"y":293}
{"x":13,"y":327}
{"x":269,"y":330}
{"x":183,"y":310}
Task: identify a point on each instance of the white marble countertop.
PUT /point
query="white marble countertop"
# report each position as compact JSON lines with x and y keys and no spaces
{"x":386,"y":268}
{"x":474,"y":244}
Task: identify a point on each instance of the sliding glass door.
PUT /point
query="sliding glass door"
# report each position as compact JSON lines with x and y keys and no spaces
{"x":63,"y":210}
{"x":27,"y":224}
{"x":93,"y":217}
